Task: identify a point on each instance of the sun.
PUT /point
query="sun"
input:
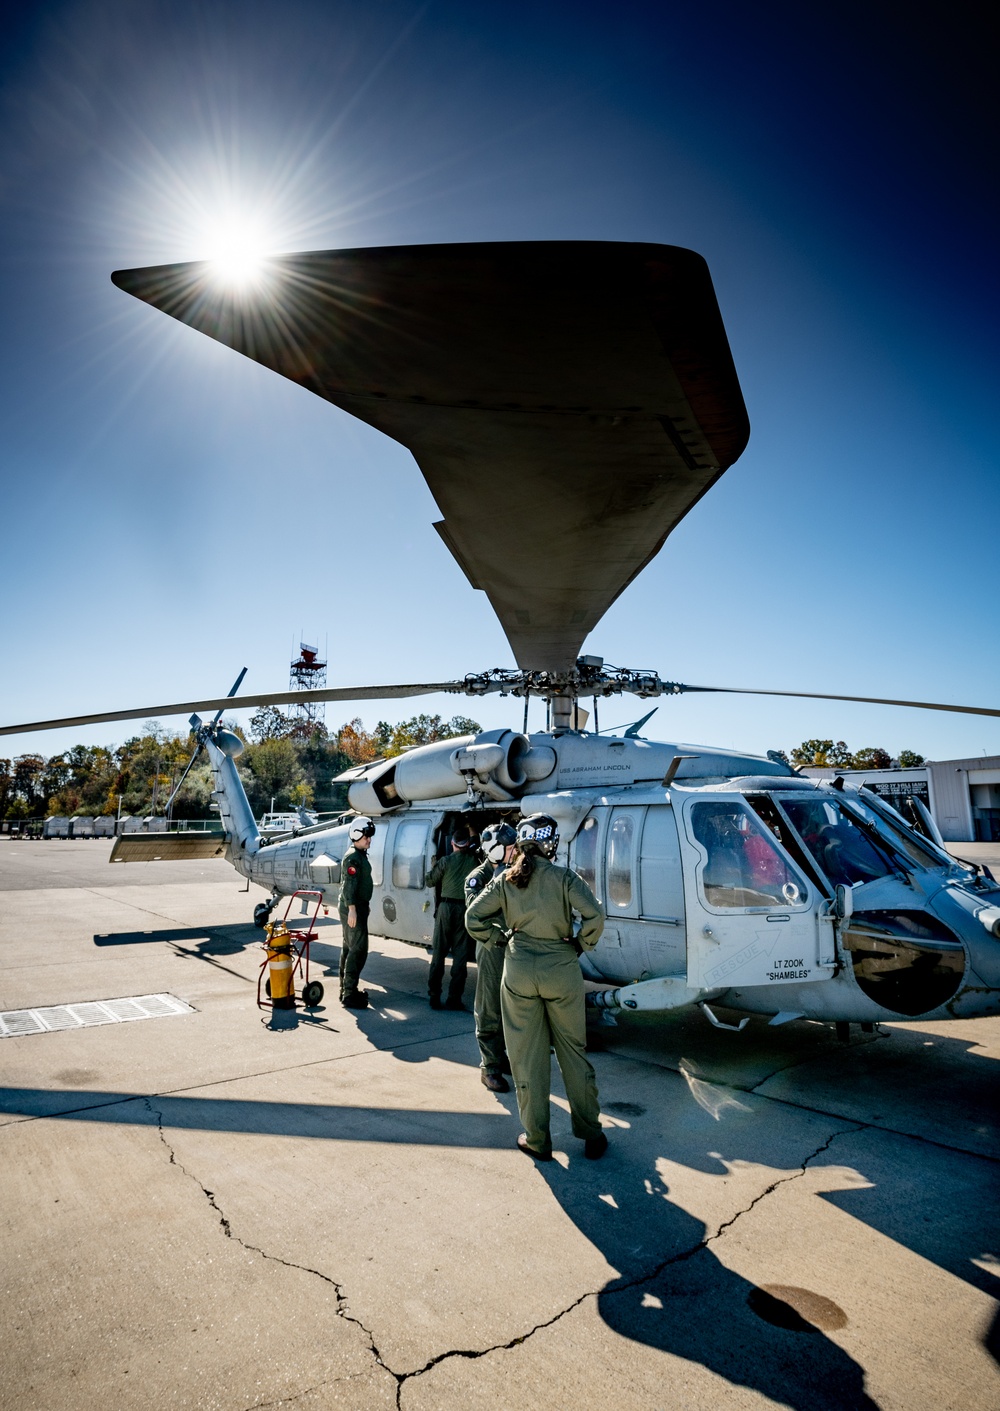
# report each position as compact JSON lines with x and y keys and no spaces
{"x":236,"y":251}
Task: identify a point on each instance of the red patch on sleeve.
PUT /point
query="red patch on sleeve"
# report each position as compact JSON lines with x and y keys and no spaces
{"x":352,"y":871}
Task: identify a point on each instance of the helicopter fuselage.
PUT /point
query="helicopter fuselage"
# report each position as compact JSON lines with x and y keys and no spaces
{"x":734,"y":882}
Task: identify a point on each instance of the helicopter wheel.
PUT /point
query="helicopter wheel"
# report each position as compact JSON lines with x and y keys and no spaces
{"x":312,"y":994}
{"x":261,"y":915}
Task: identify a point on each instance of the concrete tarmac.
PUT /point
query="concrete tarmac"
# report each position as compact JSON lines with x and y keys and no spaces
{"x":229,"y":1209}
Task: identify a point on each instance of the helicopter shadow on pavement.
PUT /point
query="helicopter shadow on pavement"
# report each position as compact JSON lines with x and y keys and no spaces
{"x":202,"y":940}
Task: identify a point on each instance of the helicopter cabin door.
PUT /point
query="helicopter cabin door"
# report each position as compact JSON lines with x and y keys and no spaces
{"x":407,"y":904}
{"x":752,"y":917}
{"x":622,"y":948}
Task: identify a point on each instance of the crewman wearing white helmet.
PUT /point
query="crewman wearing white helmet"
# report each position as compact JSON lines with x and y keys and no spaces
{"x":354,"y":905}
{"x":541,"y":995}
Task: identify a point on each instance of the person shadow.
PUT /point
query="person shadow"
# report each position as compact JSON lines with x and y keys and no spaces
{"x":674,"y":1294}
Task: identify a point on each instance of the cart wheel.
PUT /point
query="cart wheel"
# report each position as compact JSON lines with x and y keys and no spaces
{"x":312,"y":994}
{"x":267,"y":988}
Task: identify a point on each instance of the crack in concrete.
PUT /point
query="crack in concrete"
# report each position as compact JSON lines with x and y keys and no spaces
{"x":287,"y":1400}
{"x":473,"y":1354}
{"x":796,"y":1063}
{"x":623,"y":1285}
{"x":306,"y":1391}
{"x":227,"y":1230}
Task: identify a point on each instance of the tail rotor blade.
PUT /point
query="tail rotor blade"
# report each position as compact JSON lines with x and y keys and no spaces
{"x":235,"y":687}
{"x":180,"y":782}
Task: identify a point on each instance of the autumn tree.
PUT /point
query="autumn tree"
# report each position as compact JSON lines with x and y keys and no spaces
{"x":359,"y":745}
{"x":420,"y":730}
{"x":269,"y":723}
{"x":271,"y":770}
{"x":909,"y":760}
{"x":872,"y":757}
{"x":822,"y":754}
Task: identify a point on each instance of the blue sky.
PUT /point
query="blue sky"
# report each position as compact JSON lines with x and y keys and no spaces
{"x":173,"y":512}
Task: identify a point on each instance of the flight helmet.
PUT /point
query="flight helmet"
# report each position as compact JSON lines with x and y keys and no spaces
{"x":540,"y":829}
{"x":361,"y":827}
{"x":497,"y":838}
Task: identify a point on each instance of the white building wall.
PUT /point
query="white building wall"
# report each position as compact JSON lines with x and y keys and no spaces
{"x":952,"y":807}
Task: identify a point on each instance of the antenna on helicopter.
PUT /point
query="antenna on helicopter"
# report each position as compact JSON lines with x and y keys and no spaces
{"x":633,"y":730}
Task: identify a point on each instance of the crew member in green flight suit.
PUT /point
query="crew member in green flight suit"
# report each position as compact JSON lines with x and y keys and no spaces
{"x":542,"y":993}
{"x":354,"y":905}
{"x":450,"y":935}
{"x":498,"y":845}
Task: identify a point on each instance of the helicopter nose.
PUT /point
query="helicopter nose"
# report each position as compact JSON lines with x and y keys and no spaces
{"x":990,"y":918}
{"x":984,"y":953}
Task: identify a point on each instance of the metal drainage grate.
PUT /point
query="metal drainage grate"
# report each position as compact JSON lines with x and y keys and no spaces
{"x":14,"y":1022}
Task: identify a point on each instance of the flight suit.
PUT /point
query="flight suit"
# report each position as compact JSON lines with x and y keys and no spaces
{"x":489,"y":972}
{"x":356,"y":888}
{"x":450,"y":935}
{"x":542,"y":991}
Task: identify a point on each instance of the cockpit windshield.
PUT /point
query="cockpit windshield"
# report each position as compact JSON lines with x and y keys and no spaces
{"x":916,"y":849}
{"x":838,"y":843}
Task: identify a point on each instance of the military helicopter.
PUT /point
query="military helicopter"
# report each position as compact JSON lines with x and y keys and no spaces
{"x":594,"y":383}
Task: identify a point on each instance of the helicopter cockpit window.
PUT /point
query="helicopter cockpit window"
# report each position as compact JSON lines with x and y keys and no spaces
{"x":914,"y":849}
{"x":620,"y":841}
{"x":408,"y":851}
{"x":744,"y":867}
{"x":585,"y":852}
{"x":842,"y":849}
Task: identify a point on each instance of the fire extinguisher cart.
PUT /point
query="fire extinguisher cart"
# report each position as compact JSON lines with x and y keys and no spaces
{"x":286,"y":955}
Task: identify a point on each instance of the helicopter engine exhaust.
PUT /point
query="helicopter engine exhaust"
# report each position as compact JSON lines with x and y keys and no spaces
{"x":498,"y":764}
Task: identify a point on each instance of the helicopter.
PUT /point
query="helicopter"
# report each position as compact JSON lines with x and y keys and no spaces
{"x":594,"y":382}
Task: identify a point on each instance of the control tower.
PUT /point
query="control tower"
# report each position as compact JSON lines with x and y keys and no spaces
{"x":307,"y":673}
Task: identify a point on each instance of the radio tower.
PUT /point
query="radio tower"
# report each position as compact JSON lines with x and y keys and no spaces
{"x":305,"y":673}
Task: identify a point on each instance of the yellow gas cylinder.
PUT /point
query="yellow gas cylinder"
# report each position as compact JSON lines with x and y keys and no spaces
{"x":279,"y":965}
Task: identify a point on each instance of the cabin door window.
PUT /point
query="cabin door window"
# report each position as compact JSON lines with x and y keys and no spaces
{"x":408,"y":852}
{"x":621,"y":873}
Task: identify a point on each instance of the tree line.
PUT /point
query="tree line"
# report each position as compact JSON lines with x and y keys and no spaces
{"x":288,"y":760}
{"x":827,"y":754}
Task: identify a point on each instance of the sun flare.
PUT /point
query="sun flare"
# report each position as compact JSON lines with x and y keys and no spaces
{"x":236,"y":251}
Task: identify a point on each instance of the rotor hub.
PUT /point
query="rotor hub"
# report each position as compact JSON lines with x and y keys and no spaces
{"x":589,"y":677}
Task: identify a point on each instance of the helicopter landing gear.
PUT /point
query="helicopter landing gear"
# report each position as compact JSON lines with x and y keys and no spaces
{"x":262,"y":913}
{"x":844,"y":1030}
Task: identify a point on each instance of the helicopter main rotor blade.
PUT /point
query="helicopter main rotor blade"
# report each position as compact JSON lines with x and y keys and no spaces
{"x":222,"y":703}
{"x":567,"y":401}
{"x":862,"y":700}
